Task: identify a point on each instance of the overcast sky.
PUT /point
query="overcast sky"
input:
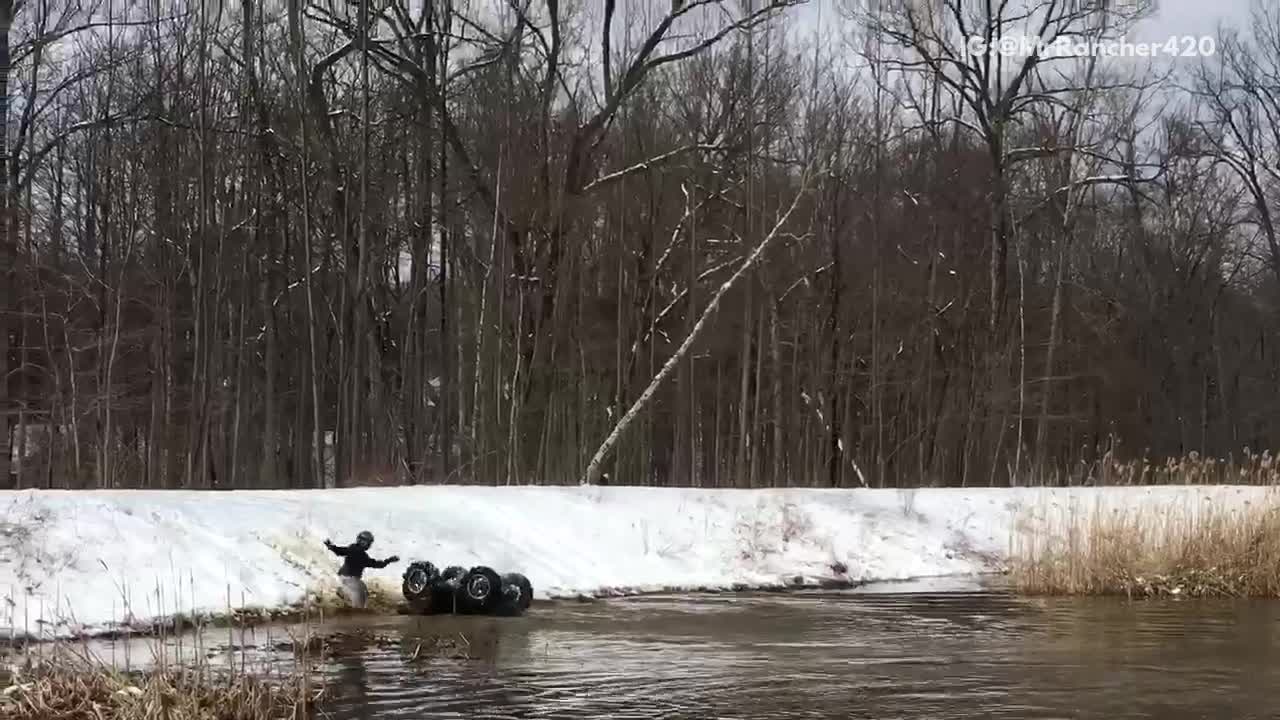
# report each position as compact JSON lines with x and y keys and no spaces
{"x":1172,"y":17}
{"x":1191,"y":17}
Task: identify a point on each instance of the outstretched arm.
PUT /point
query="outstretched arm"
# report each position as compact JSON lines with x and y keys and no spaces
{"x":384,"y":563}
{"x":340,"y":551}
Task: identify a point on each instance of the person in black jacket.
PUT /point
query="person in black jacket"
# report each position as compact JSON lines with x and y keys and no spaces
{"x":355,"y":560}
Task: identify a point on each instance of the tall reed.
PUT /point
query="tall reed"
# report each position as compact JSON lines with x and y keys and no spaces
{"x":1199,"y":548}
{"x":71,"y":686}
{"x":61,"y":679}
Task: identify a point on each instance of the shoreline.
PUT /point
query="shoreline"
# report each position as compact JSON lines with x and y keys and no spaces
{"x":251,"y":618}
{"x":75,"y":559}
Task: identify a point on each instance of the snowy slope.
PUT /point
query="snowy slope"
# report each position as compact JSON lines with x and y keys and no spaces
{"x":91,"y":561}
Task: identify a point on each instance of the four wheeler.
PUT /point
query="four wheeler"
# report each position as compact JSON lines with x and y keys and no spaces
{"x":478,"y":591}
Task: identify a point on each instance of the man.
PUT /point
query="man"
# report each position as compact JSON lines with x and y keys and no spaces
{"x":351,"y":586}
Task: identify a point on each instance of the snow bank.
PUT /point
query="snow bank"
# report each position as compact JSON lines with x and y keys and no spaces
{"x":74,"y":562}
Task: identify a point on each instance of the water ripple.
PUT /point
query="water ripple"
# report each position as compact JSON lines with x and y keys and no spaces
{"x":849,"y":655}
{"x":943,"y":656}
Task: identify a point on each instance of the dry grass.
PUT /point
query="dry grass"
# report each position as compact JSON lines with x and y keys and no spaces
{"x":66,"y":680}
{"x":383,"y":600}
{"x":1194,"y":550}
{"x":1249,"y":468}
{"x":72,"y":686}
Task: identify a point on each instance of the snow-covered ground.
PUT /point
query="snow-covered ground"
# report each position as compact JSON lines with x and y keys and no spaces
{"x":74,"y":562}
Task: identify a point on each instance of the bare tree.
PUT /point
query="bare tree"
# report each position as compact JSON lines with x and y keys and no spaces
{"x":592,"y":475}
{"x":1241,"y":126}
{"x":960,"y":43}
{"x":334,"y":242}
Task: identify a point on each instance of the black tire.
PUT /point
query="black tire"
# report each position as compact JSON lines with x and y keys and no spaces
{"x":419,"y":578}
{"x":525,"y":589}
{"x":480,"y":590}
{"x":453,"y":573}
{"x":441,"y":594}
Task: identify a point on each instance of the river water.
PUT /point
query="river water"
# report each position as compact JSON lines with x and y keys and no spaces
{"x":823,"y":655}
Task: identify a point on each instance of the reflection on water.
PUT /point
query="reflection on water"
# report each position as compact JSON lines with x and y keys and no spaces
{"x":954,"y":655}
{"x":845,"y":655}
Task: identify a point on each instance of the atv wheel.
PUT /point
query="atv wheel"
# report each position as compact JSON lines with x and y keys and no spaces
{"x":418,"y":580}
{"x":521,"y":584}
{"x":453,"y":573}
{"x":481,"y":590}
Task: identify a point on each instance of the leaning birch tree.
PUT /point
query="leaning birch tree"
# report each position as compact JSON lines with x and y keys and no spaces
{"x":595,"y":467}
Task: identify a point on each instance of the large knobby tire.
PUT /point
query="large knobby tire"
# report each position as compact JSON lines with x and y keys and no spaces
{"x":453,"y":573}
{"x":418,"y":578}
{"x":480,"y":590}
{"x":524,"y":588}
{"x":418,"y":586}
{"x":517,"y":594}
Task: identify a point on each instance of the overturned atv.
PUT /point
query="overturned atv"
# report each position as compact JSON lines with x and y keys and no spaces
{"x":478,"y":591}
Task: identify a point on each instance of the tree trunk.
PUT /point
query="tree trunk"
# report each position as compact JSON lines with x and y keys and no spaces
{"x":592,"y":475}
{"x":8,"y":253}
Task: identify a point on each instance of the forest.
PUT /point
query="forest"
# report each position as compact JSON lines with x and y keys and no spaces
{"x":712,"y":243}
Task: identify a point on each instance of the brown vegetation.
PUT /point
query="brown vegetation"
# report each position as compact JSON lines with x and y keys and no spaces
{"x":68,"y":685}
{"x":66,"y":681}
{"x":1198,"y":549}
{"x":1191,"y":469}
{"x":383,"y":599}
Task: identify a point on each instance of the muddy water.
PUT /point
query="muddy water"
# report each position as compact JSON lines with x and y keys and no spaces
{"x":942,"y":655}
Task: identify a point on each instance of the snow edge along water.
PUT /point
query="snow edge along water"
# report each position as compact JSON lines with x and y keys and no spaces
{"x":76,"y":563}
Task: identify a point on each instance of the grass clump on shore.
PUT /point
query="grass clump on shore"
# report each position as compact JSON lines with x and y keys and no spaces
{"x":61,"y":680}
{"x":1201,"y":549}
{"x":74,"y":687}
{"x":317,"y":606}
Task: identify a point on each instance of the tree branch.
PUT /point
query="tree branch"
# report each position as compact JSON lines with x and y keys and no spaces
{"x":650,"y":164}
{"x":594,"y":468}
